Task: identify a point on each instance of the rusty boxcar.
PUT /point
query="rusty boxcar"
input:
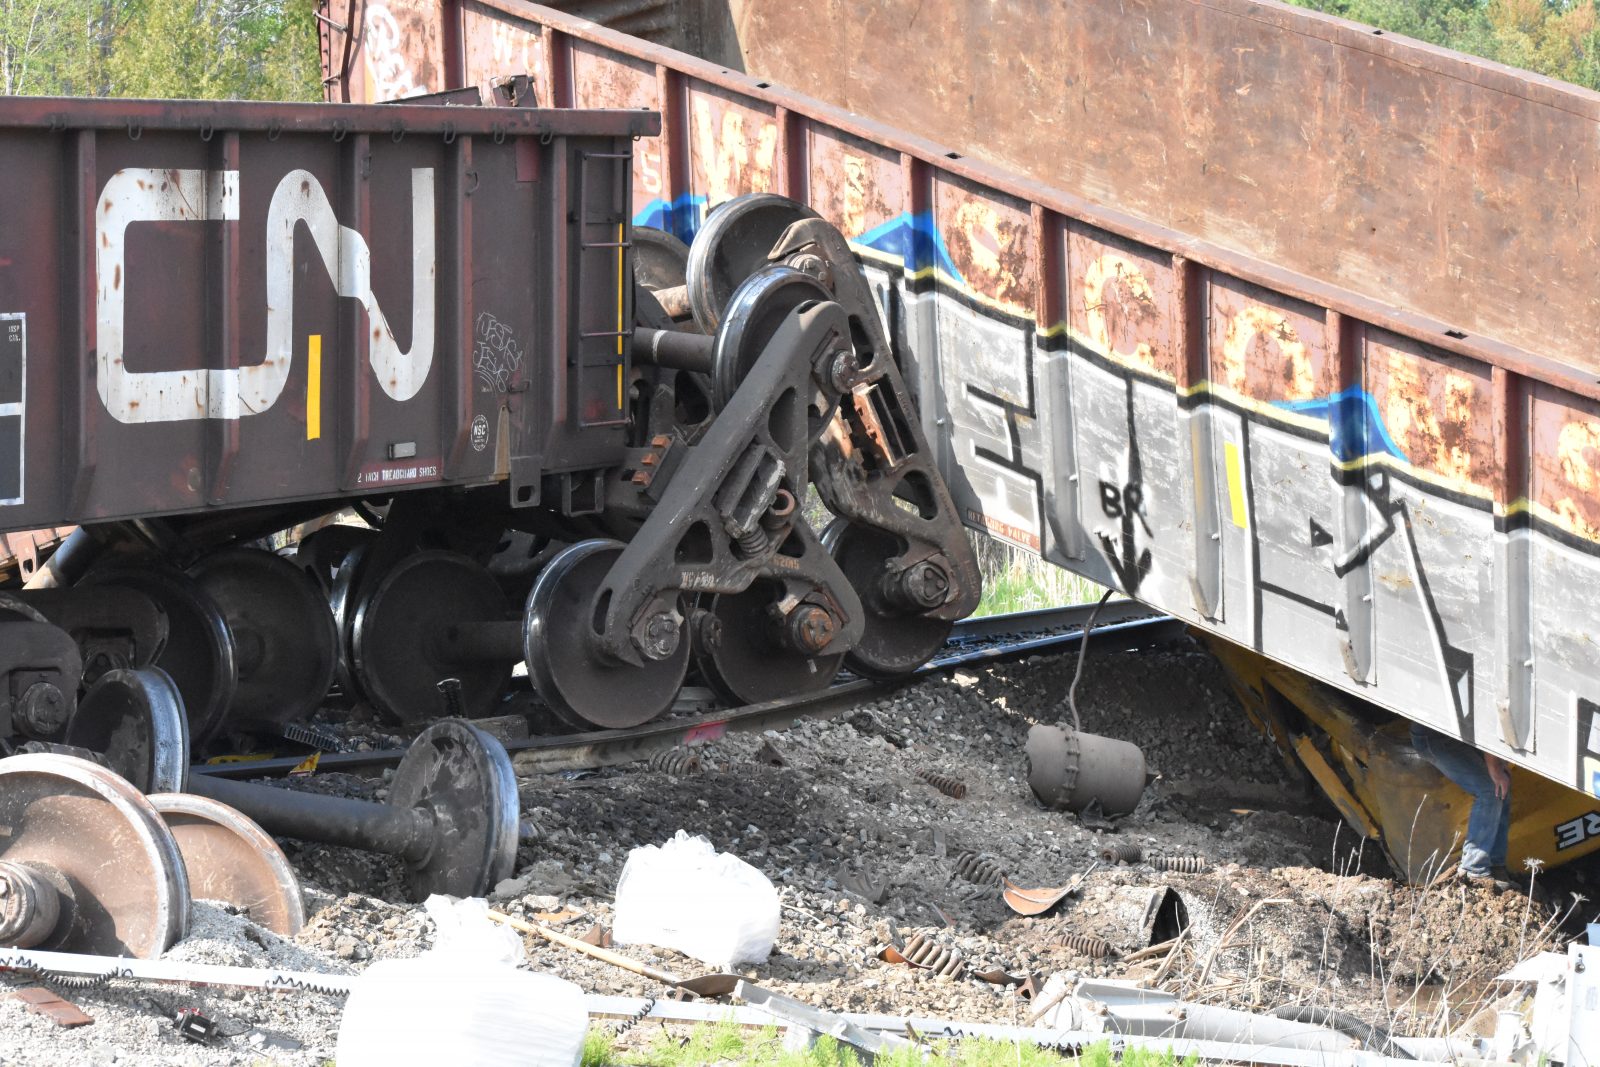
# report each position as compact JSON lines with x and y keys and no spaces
{"x":1273,"y":321}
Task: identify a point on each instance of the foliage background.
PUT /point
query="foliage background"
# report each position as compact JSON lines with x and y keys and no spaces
{"x":1557,"y":38}
{"x":244,"y":49}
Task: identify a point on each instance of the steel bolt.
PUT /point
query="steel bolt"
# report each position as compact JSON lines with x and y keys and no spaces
{"x":43,"y":709}
{"x":710,"y":631}
{"x":842,"y":369}
{"x":658,"y":638}
{"x":925,"y":585}
{"x":811,"y":628}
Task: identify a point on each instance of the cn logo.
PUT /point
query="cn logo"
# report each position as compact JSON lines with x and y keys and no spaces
{"x":138,"y":195}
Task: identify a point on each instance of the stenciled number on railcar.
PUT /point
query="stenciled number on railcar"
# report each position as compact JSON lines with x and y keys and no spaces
{"x":137,"y":194}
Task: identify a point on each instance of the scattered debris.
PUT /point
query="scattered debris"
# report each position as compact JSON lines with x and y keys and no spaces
{"x":705,"y":985}
{"x":926,"y":954}
{"x":677,"y":762}
{"x":865,"y":885}
{"x":1097,"y":948}
{"x":1121,"y":852}
{"x":44,"y":1002}
{"x":979,"y":867}
{"x":1038,"y":901}
{"x":954,"y":788}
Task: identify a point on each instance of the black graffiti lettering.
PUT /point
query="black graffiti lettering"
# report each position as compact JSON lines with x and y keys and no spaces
{"x":1110,"y":500}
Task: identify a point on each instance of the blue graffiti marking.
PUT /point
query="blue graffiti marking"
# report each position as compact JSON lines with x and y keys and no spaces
{"x":680,"y":217}
{"x":916,"y":240}
{"x":1355,"y":426}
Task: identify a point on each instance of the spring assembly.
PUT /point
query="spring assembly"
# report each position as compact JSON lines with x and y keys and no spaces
{"x":752,"y":542}
{"x":624,"y":1025}
{"x":954,"y":788}
{"x":979,"y":867}
{"x":678,"y":762}
{"x":1121,"y":852}
{"x":932,"y":956}
{"x":1097,"y":948}
{"x":1180,"y":864}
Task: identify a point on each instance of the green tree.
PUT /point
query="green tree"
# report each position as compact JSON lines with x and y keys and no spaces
{"x":1556,"y":38}
{"x":212,"y":49}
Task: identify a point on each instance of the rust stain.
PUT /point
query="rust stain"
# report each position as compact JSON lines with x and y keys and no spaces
{"x":733,"y":148}
{"x":1436,"y":408}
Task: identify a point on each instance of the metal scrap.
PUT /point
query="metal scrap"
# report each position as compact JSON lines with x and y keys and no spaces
{"x":954,"y":788}
{"x":979,"y":867}
{"x":42,"y":1001}
{"x":1038,"y":901}
{"x":925,"y":954}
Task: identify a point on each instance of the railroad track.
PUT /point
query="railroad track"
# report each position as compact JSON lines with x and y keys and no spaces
{"x":1122,"y":624}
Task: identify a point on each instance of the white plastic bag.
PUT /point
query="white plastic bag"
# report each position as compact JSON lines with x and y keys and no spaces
{"x":686,"y":895}
{"x":464,"y":1001}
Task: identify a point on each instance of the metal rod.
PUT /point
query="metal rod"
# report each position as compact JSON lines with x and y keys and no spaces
{"x":403,"y":832}
{"x":677,"y":349}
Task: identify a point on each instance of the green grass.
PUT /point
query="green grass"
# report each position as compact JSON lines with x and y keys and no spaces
{"x":1015,"y":580}
{"x":728,"y":1043}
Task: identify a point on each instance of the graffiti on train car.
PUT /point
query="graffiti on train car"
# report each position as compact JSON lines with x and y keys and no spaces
{"x":145,"y":195}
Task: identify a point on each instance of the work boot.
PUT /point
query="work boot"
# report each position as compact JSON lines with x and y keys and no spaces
{"x":1497,"y":879}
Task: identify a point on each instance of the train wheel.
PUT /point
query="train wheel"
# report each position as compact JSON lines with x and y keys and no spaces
{"x":731,"y":246}
{"x":757,"y":309}
{"x":229,"y":858}
{"x":199,"y":653}
{"x":400,"y":647}
{"x":135,"y":719}
{"x":660,"y":260}
{"x":283,"y":634}
{"x":340,"y":594}
{"x":740,"y":651}
{"x":568,"y":671}
{"x":894,"y":642}
{"x":75,"y":823}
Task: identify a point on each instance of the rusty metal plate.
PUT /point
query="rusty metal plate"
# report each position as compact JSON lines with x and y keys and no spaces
{"x":42,"y":1001}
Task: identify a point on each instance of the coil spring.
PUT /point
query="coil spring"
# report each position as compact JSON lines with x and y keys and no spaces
{"x":1097,"y":948}
{"x":752,"y":542}
{"x":1180,"y":864}
{"x":280,"y":981}
{"x":933,"y":956}
{"x":678,"y":762}
{"x":979,"y":867}
{"x":74,"y":982}
{"x":1122,"y":852}
{"x":954,"y":788}
{"x":624,"y":1025}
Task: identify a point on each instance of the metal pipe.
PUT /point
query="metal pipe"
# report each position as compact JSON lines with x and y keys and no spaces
{"x":403,"y":832}
{"x":677,"y":349}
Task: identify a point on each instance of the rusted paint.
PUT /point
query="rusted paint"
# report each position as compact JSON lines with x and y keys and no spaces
{"x":1266,"y":347}
{"x":857,"y":185}
{"x":1565,"y":479}
{"x":1121,"y":301}
{"x":1437,"y":408}
{"x":989,"y":239}
{"x":733,"y":146}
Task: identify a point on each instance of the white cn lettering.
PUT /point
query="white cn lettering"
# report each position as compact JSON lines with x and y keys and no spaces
{"x":147,"y":195}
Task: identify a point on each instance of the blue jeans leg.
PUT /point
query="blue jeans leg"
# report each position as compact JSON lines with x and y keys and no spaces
{"x":1489,"y":822}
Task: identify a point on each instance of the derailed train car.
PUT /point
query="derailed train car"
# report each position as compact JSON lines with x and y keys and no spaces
{"x":1273,"y":321}
{"x":223,"y":320}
